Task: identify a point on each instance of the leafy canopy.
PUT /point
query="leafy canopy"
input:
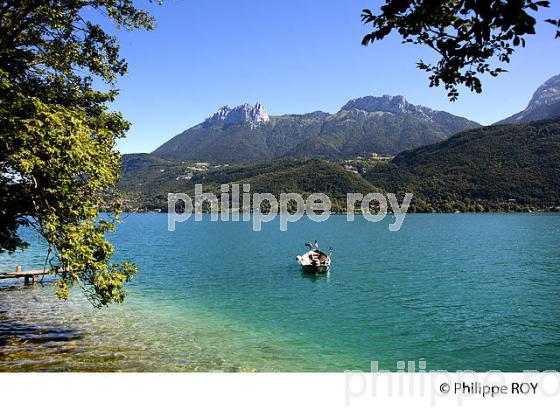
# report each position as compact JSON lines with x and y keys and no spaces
{"x":469,"y":35}
{"x":58,"y":163}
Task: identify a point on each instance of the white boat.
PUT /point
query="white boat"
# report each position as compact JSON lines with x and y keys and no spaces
{"x":315,"y":261}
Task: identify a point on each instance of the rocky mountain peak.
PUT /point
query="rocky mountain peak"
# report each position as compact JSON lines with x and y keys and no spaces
{"x":548,"y":93}
{"x":245,"y":113}
{"x":545,"y":104}
{"x":396,"y":104}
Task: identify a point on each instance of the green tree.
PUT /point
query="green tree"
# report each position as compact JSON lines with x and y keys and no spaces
{"x":58,"y":162}
{"x":471,"y":36}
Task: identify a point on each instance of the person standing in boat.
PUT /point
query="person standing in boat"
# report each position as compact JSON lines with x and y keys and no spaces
{"x":316,"y":245}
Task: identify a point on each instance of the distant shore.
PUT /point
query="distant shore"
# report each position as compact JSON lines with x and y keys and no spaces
{"x":551,"y":210}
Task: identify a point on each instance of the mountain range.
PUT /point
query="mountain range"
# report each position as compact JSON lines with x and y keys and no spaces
{"x":513,"y":164}
{"x":383,"y":125}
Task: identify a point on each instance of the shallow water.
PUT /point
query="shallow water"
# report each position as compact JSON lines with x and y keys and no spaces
{"x":466,"y":291}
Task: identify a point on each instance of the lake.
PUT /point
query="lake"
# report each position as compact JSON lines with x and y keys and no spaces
{"x":458,"y":291}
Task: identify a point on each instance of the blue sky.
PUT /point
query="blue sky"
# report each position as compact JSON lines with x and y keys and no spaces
{"x":294,"y":56}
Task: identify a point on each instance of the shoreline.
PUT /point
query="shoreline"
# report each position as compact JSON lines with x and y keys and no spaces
{"x":187,"y":310}
{"x":549,"y":210}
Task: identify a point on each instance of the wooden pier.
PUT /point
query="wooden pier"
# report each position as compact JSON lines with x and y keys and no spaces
{"x":29,"y":276}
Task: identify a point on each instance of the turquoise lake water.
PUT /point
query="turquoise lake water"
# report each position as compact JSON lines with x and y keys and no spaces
{"x":460,"y":292}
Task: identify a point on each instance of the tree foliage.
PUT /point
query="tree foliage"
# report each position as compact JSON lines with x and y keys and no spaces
{"x":143,"y":185}
{"x":58,"y":159}
{"x":497,"y":168}
{"x":471,"y":36}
